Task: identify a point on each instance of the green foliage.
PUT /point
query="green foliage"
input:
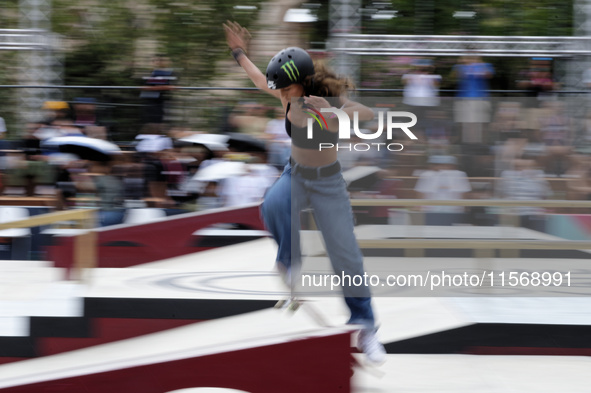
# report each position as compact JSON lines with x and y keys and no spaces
{"x":493,"y":17}
{"x":110,"y":42}
{"x":192,"y":34}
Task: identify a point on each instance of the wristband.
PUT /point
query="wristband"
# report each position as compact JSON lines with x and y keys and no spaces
{"x":236,"y":53}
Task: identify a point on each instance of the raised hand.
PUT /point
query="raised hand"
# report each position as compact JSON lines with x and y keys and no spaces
{"x":236,"y":35}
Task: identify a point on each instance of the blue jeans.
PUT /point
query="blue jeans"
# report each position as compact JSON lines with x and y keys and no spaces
{"x":110,"y":217}
{"x":329,"y":199}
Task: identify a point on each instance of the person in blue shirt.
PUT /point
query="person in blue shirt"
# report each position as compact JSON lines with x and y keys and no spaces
{"x":157,"y":85}
{"x":473,"y":76}
{"x":472,"y":107}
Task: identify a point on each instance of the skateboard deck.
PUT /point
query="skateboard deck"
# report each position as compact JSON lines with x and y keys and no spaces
{"x":293,"y":304}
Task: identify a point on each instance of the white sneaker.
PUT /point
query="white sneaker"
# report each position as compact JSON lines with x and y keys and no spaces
{"x":368,"y":343}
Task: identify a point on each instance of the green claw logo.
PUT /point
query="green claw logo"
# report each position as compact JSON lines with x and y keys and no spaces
{"x":290,"y":69}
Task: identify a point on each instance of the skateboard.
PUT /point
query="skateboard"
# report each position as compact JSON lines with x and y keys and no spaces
{"x":293,"y":304}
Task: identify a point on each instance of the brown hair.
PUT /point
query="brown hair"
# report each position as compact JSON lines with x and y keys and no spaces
{"x":325,"y":82}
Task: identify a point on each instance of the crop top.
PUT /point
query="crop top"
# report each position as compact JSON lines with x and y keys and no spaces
{"x":299,"y":135}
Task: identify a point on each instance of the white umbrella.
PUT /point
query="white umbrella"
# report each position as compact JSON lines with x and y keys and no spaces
{"x":358,"y":173}
{"x":214,"y":142}
{"x":220,"y":170}
{"x":84,"y":147}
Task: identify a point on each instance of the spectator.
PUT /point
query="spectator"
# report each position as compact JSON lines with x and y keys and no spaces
{"x":28,"y":170}
{"x":578,"y":186}
{"x":472,"y":107}
{"x":509,"y":132}
{"x":86,"y":117}
{"x":525,"y":182}
{"x":84,"y":112}
{"x":382,"y":184}
{"x":3,"y":146}
{"x":278,"y":142}
{"x":65,"y":187}
{"x":443,"y":182}
{"x":134,"y":183}
{"x":582,"y":144}
{"x":109,"y":190}
{"x":249,"y":118}
{"x":243,"y":189}
{"x":151,"y":144}
{"x":421,"y":87}
{"x":154,"y":95}
{"x":557,"y":134}
{"x":209,"y":198}
{"x":587,"y":78}
{"x":56,"y":110}
{"x":438,"y":131}
{"x":508,"y":121}
{"x":2,"y":128}
{"x":538,"y":79}
{"x":579,"y":180}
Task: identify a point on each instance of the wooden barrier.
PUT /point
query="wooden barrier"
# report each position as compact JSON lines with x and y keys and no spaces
{"x":28,"y":201}
{"x":85,"y":244}
{"x":558,"y":185}
{"x":470,"y":202}
{"x":477,"y":244}
{"x":482,"y":248}
{"x":85,"y":216}
{"x":127,"y":245}
{"x":413,"y":247}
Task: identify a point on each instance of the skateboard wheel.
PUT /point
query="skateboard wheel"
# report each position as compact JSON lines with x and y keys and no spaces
{"x":280,"y":304}
{"x":294,"y":306}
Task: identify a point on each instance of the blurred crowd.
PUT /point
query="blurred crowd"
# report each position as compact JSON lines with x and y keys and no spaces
{"x":164,"y":166}
{"x":533,"y":146}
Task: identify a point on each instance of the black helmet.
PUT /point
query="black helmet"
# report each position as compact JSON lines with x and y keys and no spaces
{"x":290,"y":65}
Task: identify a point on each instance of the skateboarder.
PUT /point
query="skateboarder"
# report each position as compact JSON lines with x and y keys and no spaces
{"x":312,"y":177}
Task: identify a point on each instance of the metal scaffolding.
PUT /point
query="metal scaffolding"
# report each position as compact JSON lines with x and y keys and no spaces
{"x":344,"y":19}
{"x":574,"y":53}
{"x":451,"y":45}
{"x":582,"y":28}
{"x":40,"y":61}
{"x":576,"y":50}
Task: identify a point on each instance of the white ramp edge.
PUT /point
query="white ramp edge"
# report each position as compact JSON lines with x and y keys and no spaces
{"x":260,"y":328}
{"x":477,"y":373}
{"x":42,"y":298}
{"x":14,"y":326}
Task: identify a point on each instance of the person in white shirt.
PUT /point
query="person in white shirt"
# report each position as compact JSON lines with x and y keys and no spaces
{"x":2,"y":128}
{"x":421,"y":87}
{"x":443,"y":182}
{"x":525,"y":182}
{"x":249,"y":186}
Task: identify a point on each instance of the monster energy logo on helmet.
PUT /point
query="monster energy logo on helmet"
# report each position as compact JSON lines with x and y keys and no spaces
{"x":289,"y":69}
{"x":290,"y":65}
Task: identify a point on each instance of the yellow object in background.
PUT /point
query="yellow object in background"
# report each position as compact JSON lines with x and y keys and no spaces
{"x":55,"y":105}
